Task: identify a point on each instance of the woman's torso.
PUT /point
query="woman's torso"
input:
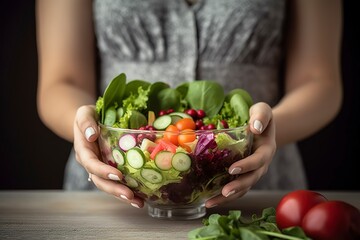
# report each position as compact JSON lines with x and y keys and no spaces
{"x":235,"y":42}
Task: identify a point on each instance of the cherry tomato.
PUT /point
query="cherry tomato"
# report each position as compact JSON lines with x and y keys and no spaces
{"x":294,"y":205}
{"x":332,"y":220}
{"x":185,"y":123}
{"x":186,"y":136}
{"x":171,"y":133}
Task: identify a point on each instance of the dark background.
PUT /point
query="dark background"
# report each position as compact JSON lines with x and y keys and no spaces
{"x":32,"y":157}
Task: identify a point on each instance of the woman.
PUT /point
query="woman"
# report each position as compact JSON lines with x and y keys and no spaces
{"x":236,"y":42}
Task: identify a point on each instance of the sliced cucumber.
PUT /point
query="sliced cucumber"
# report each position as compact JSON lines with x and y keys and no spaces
{"x":175,"y":119}
{"x":151,"y":175}
{"x":181,"y":114}
{"x":110,"y":116}
{"x":135,"y":158}
{"x":163,"y":160}
{"x":131,"y":182}
{"x":162,"y":122}
{"x":119,"y":156}
{"x":181,"y":161}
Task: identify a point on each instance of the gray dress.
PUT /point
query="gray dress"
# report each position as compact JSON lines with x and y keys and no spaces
{"x":236,"y":42}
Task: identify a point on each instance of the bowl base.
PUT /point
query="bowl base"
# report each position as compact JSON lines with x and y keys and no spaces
{"x":177,"y":212}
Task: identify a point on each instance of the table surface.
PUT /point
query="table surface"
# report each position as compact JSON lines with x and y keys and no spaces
{"x":56,"y":214}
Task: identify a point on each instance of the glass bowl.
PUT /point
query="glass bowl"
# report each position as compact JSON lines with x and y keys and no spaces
{"x":175,"y":180}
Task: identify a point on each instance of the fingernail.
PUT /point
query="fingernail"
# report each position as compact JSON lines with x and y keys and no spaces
{"x":89,"y":132}
{"x":124,"y":197}
{"x":134,"y":205}
{"x":230,"y":193}
{"x":258,"y":125}
{"x":235,"y":171}
{"x":113,"y":177}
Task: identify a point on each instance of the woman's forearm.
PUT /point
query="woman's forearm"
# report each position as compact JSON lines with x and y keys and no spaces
{"x":60,"y":117}
{"x":307,"y":109}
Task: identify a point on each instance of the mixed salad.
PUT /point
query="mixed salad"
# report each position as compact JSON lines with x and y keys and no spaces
{"x":173,"y":145}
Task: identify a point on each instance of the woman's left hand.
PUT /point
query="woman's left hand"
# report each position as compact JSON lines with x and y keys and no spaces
{"x":250,"y":169}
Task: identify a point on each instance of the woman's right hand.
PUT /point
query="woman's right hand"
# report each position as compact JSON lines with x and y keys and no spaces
{"x":104,"y":176}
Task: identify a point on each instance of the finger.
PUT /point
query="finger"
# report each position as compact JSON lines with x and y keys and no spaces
{"x":242,"y":183}
{"x":86,"y":121}
{"x":220,"y":199}
{"x":87,"y":154}
{"x":235,"y":188}
{"x":93,"y":165}
{"x":262,"y":155}
{"x":118,"y":190}
{"x":260,"y":116}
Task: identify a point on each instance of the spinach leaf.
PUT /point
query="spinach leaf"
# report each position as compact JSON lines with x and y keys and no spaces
{"x":183,"y":89}
{"x":206,"y":95}
{"x":240,"y":107}
{"x":137,"y":119}
{"x":234,"y":226}
{"x":169,"y":98}
{"x":248,"y":99}
{"x":113,"y":93}
{"x":133,"y":86}
{"x":153,"y":101}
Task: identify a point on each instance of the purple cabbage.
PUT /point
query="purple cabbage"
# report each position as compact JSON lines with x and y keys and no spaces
{"x":205,"y":142}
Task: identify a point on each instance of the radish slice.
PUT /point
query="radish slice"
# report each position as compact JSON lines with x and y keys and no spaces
{"x":127,"y":142}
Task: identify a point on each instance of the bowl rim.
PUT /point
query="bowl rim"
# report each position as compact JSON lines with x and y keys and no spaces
{"x":245,"y":127}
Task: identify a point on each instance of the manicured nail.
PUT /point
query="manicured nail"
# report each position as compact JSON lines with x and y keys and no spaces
{"x":258,"y":125}
{"x":134,"y":205}
{"x":124,"y":197}
{"x":113,"y":177}
{"x":235,"y":171}
{"x":230,"y":193}
{"x":89,"y":132}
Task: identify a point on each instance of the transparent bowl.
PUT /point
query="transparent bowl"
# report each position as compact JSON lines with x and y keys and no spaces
{"x":175,"y":180}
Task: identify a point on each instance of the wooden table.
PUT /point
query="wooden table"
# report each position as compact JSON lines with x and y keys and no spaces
{"x":96,"y":215}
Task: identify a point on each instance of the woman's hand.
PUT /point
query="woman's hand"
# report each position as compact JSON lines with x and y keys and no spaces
{"x":105,"y":177}
{"x":250,"y":169}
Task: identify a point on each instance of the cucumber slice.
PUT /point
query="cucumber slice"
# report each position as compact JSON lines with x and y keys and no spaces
{"x":131,"y":182}
{"x":163,"y":160}
{"x":151,"y":175}
{"x":162,"y":122}
{"x":181,"y":161}
{"x":110,"y":116}
{"x":135,"y":158}
{"x":118,"y":156}
{"x":175,"y":118}
{"x":181,"y":114}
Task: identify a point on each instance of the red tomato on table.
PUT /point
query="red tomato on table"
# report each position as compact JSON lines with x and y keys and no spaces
{"x":294,"y":205}
{"x":332,"y":220}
